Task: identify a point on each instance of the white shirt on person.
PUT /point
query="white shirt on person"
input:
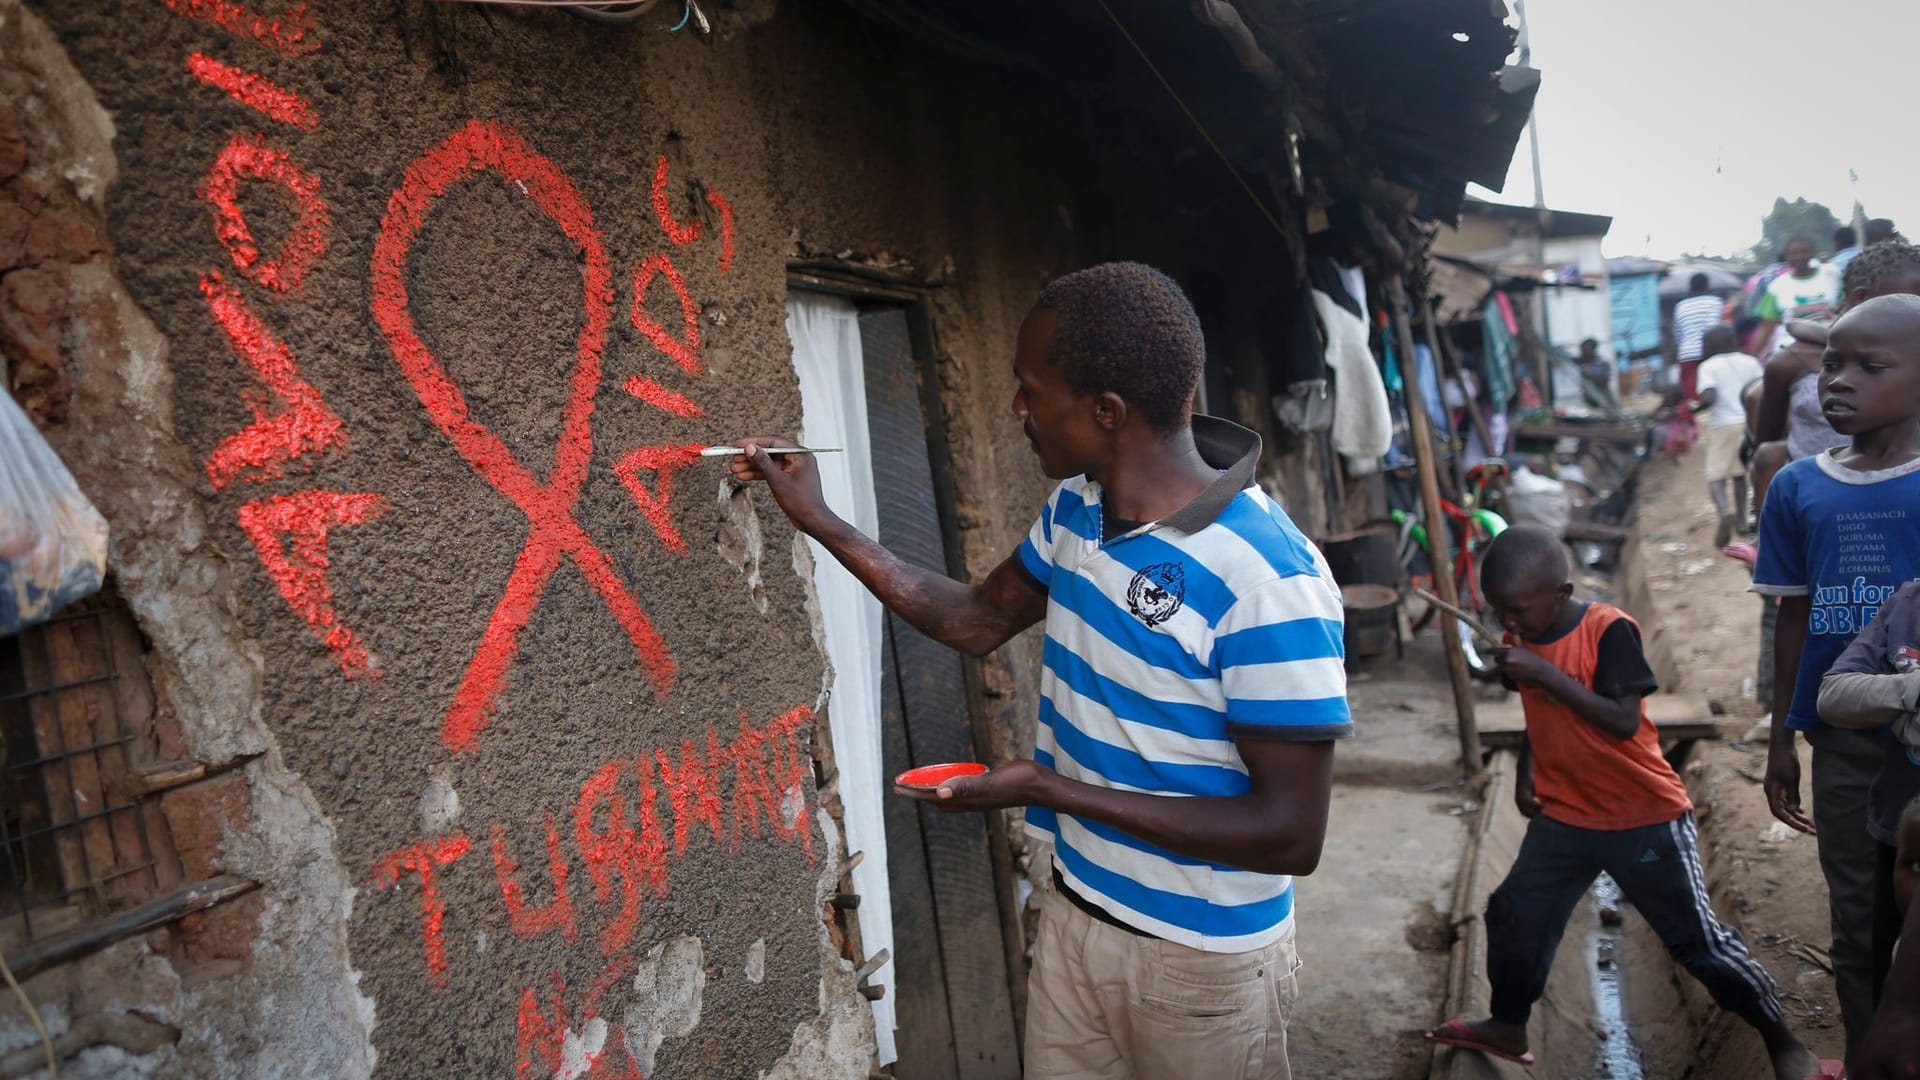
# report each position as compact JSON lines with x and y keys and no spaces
{"x":1728,"y":374}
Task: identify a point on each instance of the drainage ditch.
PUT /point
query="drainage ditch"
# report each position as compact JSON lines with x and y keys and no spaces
{"x":1619,"y":1056}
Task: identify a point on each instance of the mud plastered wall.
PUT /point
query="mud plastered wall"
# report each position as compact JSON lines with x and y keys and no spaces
{"x":381,"y":359}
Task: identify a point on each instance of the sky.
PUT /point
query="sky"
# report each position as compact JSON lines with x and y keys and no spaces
{"x":1683,"y":119}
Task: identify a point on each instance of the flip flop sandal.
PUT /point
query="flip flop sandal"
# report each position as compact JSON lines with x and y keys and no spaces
{"x":1456,"y":1034}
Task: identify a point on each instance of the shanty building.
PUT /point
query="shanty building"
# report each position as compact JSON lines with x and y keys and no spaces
{"x":444,"y":714}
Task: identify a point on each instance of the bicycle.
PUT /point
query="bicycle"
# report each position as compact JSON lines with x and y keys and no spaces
{"x":1474,"y":526}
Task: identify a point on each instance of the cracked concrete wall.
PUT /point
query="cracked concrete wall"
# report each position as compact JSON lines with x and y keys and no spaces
{"x":312,"y":304}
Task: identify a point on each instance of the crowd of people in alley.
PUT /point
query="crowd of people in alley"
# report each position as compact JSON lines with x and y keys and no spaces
{"x":1808,"y":383}
{"x":1193,"y":684}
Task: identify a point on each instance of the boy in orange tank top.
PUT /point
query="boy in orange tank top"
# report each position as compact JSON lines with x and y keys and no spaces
{"x":1600,"y":797}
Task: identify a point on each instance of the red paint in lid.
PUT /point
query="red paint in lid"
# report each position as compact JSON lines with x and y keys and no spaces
{"x":928,"y":777}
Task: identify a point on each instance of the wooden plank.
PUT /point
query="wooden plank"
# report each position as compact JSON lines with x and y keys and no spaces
{"x":1623,"y":434}
{"x":923,"y":1035}
{"x":92,"y":937}
{"x":1677,"y":716}
{"x":932,"y":695}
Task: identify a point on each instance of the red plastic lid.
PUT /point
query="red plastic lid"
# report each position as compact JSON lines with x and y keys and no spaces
{"x":928,"y":777}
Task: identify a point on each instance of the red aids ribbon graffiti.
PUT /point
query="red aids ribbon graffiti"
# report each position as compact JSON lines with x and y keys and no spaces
{"x":250,"y":158}
{"x":289,"y":533}
{"x":553,"y":532}
{"x":684,"y":349}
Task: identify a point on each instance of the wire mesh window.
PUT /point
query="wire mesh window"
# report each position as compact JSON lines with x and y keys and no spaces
{"x":76,"y":828}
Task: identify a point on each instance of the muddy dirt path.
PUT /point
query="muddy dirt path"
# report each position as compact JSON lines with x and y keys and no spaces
{"x":1374,"y":927}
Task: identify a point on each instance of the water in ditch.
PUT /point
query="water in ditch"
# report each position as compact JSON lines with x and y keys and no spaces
{"x":1619,"y":1057}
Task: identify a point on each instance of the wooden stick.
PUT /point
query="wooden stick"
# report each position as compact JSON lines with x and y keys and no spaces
{"x":94,"y":936}
{"x":1437,"y":555}
{"x":1473,"y":624}
{"x":735,"y":451}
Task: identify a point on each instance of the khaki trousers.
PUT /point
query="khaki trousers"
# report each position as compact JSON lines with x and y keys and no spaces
{"x":1107,"y":1004}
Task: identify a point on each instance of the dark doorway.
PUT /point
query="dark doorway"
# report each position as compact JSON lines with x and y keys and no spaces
{"x":956,"y":1017}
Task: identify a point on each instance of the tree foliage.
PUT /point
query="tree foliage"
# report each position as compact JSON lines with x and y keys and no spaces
{"x":1790,"y":219}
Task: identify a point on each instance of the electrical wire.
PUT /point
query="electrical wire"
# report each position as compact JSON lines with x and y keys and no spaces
{"x":1195,"y":121}
{"x":33,"y":1014}
{"x":686,"y":12}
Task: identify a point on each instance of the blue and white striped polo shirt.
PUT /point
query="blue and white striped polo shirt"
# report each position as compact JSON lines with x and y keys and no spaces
{"x":1163,"y":646}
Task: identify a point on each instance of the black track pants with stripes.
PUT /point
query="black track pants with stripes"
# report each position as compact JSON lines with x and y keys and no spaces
{"x":1658,"y":869}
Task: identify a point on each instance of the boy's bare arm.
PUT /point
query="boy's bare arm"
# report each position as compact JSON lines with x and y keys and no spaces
{"x":1776,"y":396}
{"x":1782,"y":783}
{"x":1617,"y":717}
{"x":1523,"y":797}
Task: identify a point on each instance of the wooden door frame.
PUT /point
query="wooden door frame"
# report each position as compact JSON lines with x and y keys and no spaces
{"x":863,"y":285}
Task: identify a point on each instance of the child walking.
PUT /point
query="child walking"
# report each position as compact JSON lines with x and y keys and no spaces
{"x":1601,"y":798}
{"x":1724,"y":378}
{"x":1840,"y":531}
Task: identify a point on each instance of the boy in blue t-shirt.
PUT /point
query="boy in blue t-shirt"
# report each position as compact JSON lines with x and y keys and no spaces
{"x":1839,"y":534}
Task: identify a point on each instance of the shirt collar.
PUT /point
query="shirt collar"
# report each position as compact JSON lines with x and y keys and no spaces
{"x":1226,"y":446}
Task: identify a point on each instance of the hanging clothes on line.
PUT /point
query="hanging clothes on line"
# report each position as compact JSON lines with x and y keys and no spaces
{"x":1499,"y":341}
{"x":1362,"y":422}
{"x":1303,"y":403}
{"x":1430,"y":388}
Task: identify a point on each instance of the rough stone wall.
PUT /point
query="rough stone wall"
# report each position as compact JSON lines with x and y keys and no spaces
{"x":376,"y":333}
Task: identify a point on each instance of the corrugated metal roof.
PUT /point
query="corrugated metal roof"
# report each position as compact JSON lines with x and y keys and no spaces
{"x":1416,"y":92}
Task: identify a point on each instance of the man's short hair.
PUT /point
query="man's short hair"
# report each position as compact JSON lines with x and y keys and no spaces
{"x":1699,"y":283}
{"x":1523,"y":555}
{"x":1127,"y":328}
{"x":1844,"y":237}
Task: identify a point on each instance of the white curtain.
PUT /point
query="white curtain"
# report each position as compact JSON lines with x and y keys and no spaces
{"x":833,"y":408}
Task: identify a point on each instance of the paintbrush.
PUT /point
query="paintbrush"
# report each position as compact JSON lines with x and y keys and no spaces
{"x":733,"y":451}
{"x":1472,"y":623}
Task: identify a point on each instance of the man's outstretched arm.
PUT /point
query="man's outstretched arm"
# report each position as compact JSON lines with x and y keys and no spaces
{"x":1277,"y":827}
{"x":975,"y":619}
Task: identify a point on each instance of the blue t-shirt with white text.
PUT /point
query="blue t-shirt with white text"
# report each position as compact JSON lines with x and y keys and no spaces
{"x":1846,"y":540}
